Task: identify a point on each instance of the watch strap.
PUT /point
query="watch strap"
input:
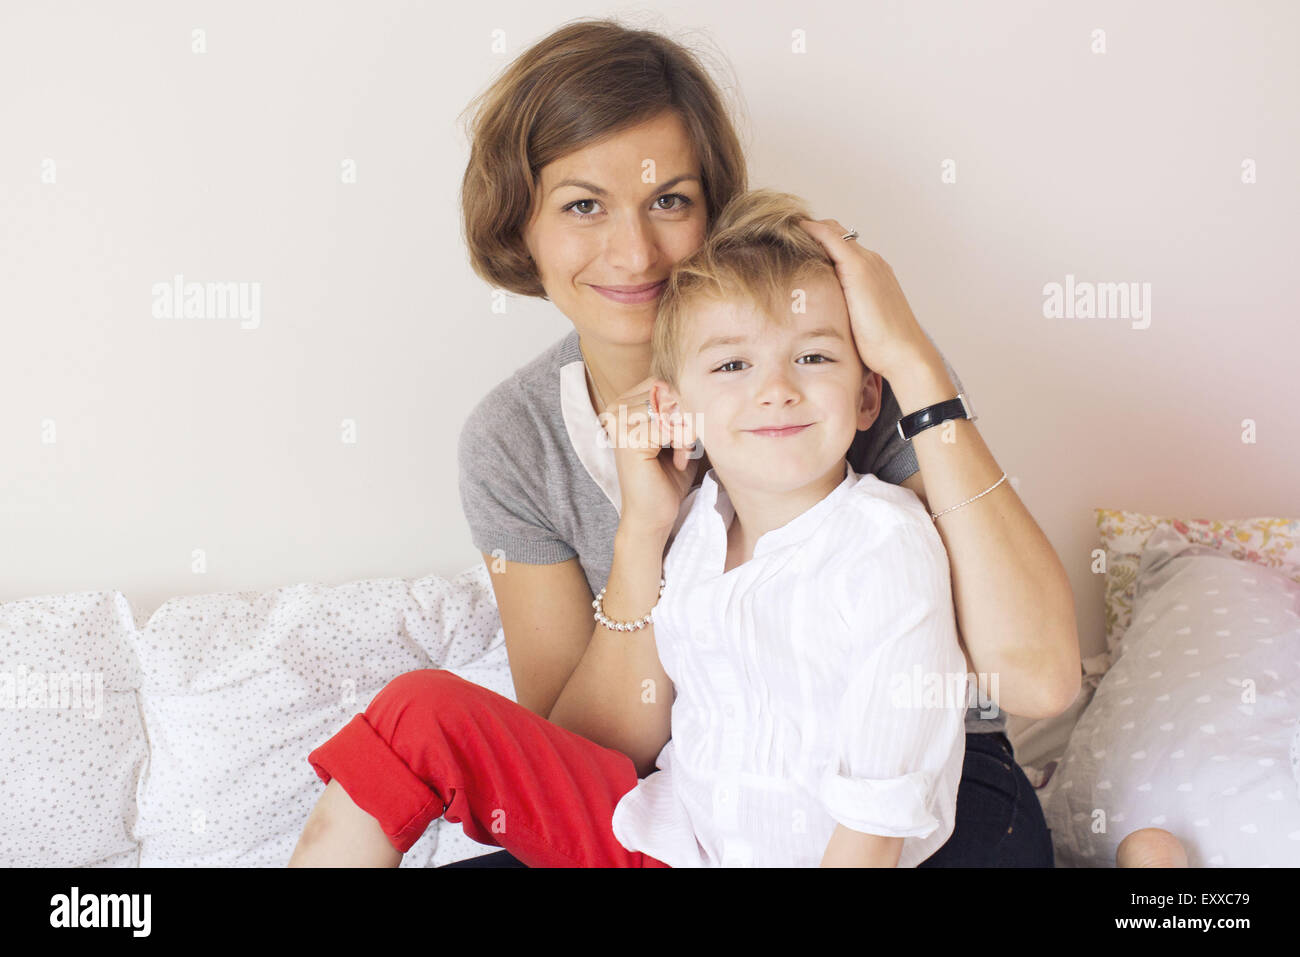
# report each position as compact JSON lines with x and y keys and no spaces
{"x":922,"y":419}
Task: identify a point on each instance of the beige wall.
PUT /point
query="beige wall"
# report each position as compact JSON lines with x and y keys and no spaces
{"x":172,"y":435}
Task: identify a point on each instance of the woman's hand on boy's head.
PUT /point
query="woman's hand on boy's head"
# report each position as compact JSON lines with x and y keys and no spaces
{"x":888,"y":337}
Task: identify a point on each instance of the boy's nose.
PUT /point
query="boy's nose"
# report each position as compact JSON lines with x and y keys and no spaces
{"x":778,"y":388}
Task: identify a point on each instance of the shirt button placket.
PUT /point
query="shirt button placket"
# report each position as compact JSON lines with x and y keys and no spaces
{"x":731,"y":753}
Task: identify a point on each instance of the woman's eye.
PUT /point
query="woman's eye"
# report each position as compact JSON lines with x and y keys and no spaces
{"x":586,"y":213}
{"x":685,"y":201}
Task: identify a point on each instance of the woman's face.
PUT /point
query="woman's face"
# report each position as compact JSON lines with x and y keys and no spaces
{"x":640,"y":209}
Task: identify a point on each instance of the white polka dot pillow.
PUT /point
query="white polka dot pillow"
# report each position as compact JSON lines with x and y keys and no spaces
{"x":71,"y":741}
{"x":1191,"y":728}
{"x":237,"y":689}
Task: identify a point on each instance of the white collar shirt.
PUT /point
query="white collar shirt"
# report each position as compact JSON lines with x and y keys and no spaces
{"x":820,"y":682}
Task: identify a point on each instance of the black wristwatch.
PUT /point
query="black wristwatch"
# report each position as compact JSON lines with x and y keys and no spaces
{"x":922,"y":419}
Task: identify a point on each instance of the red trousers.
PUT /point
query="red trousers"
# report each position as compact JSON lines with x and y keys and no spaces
{"x":432,"y":743}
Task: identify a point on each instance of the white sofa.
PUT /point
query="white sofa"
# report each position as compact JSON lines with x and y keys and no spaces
{"x":182,"y":739}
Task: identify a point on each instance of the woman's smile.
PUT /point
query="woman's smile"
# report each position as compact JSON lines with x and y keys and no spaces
{"x":646,"y":294}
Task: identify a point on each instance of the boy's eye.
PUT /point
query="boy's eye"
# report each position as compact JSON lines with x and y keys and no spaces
{"x":815,"y":355}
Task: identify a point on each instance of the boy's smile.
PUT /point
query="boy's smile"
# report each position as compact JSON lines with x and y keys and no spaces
{"x":780,"y":431}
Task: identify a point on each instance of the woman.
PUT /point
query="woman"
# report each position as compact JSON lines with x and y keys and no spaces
{"x":600,"y":157}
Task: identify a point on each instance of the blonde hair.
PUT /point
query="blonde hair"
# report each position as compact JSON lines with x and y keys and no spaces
{"x":756,"y":254}
{"x":580,"y":84}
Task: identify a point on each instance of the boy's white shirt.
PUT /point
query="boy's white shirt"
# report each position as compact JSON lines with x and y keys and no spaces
{"x":791,"y":672}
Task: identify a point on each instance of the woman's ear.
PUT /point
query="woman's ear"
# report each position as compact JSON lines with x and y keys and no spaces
{"x":869,"y":400}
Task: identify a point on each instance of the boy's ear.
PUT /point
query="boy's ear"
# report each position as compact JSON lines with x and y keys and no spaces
{"x":669,"y":406}
{"x":664,"y":398}
{"x":869,"y":400}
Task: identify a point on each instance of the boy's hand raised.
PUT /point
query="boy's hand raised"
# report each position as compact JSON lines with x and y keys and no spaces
{"x":654,"y":458}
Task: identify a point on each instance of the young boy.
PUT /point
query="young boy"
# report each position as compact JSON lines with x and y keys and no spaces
{"x":806,"y":625}
{"x":806,"y":621}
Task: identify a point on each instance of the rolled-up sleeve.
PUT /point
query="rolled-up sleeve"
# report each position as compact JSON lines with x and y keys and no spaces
{"x":902,"y":715}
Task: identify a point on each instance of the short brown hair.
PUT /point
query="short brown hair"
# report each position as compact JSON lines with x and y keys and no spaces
{"x":582,"y":83}
{"x":757,"y":254}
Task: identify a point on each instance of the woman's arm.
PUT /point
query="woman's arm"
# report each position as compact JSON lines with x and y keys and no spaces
{"x":1015,"y":609}
{"x":547,"y":625}
{"x":607,"y":686}
{"x":619,"y":695}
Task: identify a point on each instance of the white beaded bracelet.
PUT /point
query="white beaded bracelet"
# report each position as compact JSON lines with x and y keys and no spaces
{"x":622,"y":625}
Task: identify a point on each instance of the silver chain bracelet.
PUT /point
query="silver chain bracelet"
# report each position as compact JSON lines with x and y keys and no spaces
{"x":622,"y":625}
{"x":972,"y":498}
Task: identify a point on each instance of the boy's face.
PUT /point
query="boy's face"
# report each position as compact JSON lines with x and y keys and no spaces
{"x":775,"y":376}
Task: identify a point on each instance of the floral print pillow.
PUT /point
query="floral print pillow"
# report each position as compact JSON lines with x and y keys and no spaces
{"x":1271,"y":542}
